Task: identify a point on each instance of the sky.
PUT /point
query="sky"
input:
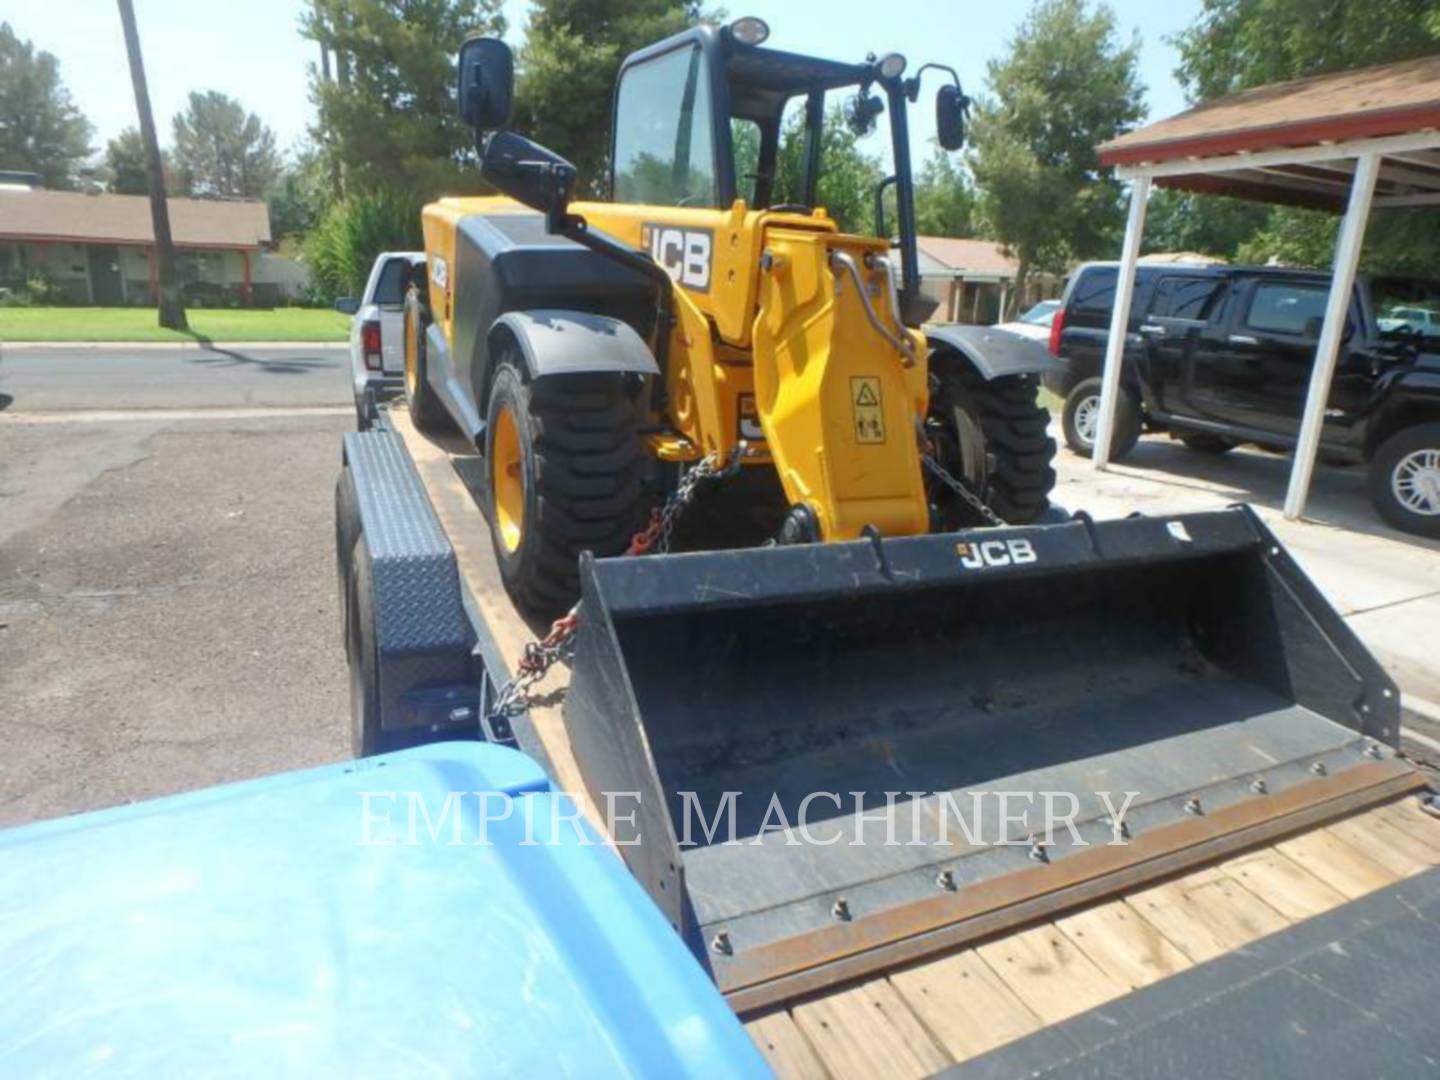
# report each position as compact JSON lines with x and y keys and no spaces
{"x":252,"y":49}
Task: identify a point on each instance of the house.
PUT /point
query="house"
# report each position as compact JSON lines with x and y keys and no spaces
{"x":973,"y":281}
{"x":100,"y":249}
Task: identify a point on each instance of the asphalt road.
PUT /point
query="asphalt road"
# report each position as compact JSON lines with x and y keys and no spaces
{"x":168,"y":377}
{"x":167,"y":607}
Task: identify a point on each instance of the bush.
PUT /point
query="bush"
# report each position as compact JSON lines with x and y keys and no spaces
{"x":37,"y":290}
{"x":342,"y":248}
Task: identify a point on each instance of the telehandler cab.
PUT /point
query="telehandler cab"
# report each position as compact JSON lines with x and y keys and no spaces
{"x":596,"y":350}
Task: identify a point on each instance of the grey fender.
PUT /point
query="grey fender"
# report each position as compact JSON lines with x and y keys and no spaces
{"x":557,"y":342}
{"x":994,"y":353}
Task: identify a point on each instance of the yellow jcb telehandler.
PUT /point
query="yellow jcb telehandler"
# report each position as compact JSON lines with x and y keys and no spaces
{"x":597,"y":351}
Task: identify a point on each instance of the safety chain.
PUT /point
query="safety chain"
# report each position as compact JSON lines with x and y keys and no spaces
{"x":540,"y":656}
{"x":963,"y":490}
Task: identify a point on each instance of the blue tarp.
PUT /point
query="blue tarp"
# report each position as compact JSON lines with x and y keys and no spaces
{"x":298,"y":925}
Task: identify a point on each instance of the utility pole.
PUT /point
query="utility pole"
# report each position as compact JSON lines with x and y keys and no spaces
{"x":171,"y":306}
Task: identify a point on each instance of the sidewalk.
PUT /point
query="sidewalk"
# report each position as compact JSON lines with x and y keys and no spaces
{"x":1385,"y":583}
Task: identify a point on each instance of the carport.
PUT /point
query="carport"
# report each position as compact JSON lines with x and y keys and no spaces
{"x":1347,"y":142}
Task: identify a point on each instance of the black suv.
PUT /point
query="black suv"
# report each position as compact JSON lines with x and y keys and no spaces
{"x":1220,"y":355}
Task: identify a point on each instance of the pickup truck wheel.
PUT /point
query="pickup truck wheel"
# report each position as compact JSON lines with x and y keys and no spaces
{"x":994,"y":436}
{"x":1208,"y":444}
{"x":1405,"y":479}
{"x":564,"y":466}
{"x":427,"y":412}
{"x":1082,"y":417}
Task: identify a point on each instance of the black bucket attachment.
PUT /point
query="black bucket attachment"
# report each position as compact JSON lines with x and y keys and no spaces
{"x":874,"y":690}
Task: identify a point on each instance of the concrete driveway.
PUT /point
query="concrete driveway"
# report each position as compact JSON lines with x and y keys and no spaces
{"x":1384,"y":582}
{"x":167,"y":607}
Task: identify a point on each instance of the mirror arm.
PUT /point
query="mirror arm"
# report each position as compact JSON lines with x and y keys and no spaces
{"x":912,"y":84}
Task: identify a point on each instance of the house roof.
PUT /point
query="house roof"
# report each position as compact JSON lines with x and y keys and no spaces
{"x":1388,"y":99}
{"x":70,"y":216}
{"x":968,"y":256}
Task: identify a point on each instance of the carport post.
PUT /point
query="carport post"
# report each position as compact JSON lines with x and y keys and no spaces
{"x":1337,"y":306}
{"x":1120,"y":321}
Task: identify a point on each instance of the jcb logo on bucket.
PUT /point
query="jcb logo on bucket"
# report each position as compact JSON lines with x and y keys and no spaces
{"x":684,"y":254}
{"x":987,"y":553}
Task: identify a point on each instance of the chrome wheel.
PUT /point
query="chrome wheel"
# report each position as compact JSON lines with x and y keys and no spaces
{"x":1087,"y":419}
{"x":1415,"y":482}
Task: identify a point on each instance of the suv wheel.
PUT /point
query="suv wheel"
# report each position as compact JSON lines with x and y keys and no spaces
{"x":1082,"y":417}
{"x":1405,"y":479}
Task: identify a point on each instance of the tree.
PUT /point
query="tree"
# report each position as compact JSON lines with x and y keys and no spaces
{"x":568,"y":66}
{"x":220,"y":151}
{"x":300,"y":195}
{"x":1207,"y":224}
{"x":1237,"y":44}
{"x":123,"y":166}
{"x":41,"y":130}
{"x":389,"y":116}
{"x":848,"y":175}
{"x":944,"y":200}
{"x":171,"y":305}
{"x":1067,"y":85}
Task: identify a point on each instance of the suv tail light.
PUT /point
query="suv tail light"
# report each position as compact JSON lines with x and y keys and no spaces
{"x":370,"y":344}
{"x":1057,"y":327}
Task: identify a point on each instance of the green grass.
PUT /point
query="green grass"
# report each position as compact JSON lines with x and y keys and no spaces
{"x":138,"y":324}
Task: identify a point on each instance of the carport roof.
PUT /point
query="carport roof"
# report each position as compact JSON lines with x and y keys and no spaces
{"x":75,"y":217}
{"x":1273,"y":142}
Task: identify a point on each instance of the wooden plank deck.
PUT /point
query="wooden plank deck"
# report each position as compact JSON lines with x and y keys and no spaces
{"x":964,"y":1004}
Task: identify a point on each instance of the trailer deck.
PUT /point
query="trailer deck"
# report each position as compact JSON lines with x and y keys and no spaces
{"x":1044,"y":948}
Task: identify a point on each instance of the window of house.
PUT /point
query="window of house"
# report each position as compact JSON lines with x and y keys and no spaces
{"x":664,"y":148}
{"x":1285,"y":307}
{"x":1184,"y":297}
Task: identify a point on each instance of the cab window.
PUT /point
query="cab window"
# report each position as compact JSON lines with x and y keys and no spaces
{"x":664,"y":150}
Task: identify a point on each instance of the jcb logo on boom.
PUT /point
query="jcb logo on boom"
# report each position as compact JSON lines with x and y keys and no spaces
{"x":987,"y":553}
{"x":684,"y":254}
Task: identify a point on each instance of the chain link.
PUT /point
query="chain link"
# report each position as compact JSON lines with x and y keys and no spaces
{"x":513,"y":698}
{"x":963,"y":490}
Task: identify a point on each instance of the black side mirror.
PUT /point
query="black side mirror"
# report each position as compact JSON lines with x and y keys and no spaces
{"x":951,"y":105}
{"x":347,"y":305}
{"x":487,"y":83}
{"x":530,"y":174}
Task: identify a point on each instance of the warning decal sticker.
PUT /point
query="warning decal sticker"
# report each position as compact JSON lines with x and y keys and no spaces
{"x":865,"y":405}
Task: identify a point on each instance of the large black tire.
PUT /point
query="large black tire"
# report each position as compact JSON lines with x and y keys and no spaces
{"x":580,"y":464}
{"x":1077,"y":421}
{"x":427,"y":411}
{"x":994,"y":436}
{"x":1404,"y":479}
{"x":1205,"y":443}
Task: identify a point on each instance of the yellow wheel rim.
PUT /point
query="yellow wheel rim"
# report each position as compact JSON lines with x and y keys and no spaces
{"x":507,"y":480}
{"x":412,"y":377}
